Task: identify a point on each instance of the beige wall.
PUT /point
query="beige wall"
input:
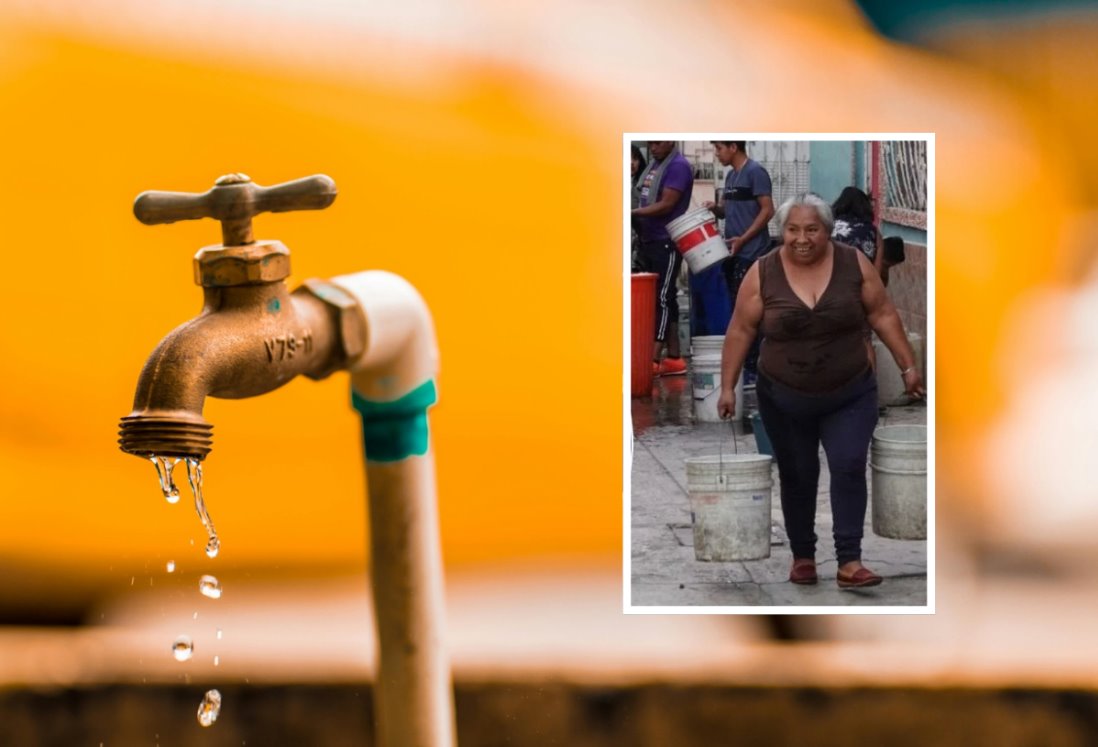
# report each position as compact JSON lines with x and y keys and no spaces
{"x":908,"y":288}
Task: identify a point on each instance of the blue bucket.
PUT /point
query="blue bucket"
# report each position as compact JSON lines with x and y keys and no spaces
{"x":762,"y":441}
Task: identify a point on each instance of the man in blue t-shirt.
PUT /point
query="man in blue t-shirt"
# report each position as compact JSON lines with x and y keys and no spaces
{"x":747,"y":206}
{"x":665,"y":189}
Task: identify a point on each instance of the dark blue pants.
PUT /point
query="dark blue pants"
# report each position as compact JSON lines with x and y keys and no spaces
{"x":797,"y":423}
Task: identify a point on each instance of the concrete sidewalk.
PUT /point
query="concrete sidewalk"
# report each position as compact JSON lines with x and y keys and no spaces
{"x":664,"y":570}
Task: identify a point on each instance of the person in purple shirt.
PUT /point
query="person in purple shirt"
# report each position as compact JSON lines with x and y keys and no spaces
{"x":665,"y":188}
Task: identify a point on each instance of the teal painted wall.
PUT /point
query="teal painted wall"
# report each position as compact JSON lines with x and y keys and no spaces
{"x":830,"y":168}
{"x":907,"y":233}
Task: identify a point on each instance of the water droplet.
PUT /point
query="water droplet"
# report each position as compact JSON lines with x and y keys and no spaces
{"x":195,"y":616}
{"x":209,"y":708}
{"x":171,"y":566}
{"x":210,"y":587}
{"x":182,"y":649}
{"x":132,"y":578}
{"x":219,"y":634}
{"x":194,"y":477}
{"x":217,"y":660}
{"x":164,"y":467}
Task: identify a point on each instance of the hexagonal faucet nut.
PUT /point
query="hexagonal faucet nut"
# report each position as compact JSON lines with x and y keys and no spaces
{"x":253,"y":264}
{"x":349,"y":319}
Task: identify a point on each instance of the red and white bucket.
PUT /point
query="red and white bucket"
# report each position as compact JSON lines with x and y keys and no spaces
{"x":699,"y":242}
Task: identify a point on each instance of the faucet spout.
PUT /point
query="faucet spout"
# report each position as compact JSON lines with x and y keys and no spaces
{"x":248,"y":340}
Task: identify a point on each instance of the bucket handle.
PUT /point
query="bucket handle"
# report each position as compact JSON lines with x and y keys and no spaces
{"x":710,"y":393}
{"x":720,"y":452}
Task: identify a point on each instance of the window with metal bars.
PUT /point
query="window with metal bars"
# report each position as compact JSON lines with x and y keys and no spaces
{"x":901,"y":175}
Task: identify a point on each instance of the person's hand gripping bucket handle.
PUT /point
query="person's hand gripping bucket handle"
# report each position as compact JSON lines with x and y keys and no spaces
{"x":726,"y":403}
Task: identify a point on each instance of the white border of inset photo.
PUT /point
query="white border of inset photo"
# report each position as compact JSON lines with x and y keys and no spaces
{"x":930,"y":345}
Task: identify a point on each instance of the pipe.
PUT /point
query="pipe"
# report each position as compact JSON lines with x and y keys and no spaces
{"x":392,"y":385}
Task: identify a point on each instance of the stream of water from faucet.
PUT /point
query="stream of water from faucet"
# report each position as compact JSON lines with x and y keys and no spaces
{"x":209,"y":586}
{"x":183,"y":648}
{"x":164,"y":467}
{"x":209,"y":708}
{"x":194,"y":477}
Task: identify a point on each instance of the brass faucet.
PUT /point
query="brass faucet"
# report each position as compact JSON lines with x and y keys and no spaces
{"x":253,"y":335}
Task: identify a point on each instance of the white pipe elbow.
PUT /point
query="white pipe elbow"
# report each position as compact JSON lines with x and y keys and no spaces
{"x":401,"y":351}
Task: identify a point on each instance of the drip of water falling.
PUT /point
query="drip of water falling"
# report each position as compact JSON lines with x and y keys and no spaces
{"x":182,"y":649}
{"x":210,"y":707}
{"x":219,"y":634}
{"x":217,"y":660}
{"x":164,"y":467}
{"x":171,"y":566}
{"x":210,"y":587}
{"x":194,"y":477}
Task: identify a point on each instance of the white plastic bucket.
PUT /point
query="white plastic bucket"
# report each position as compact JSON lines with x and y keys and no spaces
{"x":706,"y":344}
{"x":897,"y":458}
{"x":730,"y":503}
{"x":705,"y":378}
{"x":698,"y":240}
{"x":890,"y":385}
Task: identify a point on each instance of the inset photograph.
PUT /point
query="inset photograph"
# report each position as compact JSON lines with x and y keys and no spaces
{"x":779,"y":373}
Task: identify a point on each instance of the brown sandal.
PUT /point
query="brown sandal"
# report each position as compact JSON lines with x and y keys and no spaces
{"x":803,"y":571}
{"x":859,"y":579}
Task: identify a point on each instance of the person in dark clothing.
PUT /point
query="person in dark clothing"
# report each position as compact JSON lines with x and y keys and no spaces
{"x":812,"y":299}
{"x":892,"y":254}
{"x":854,"y":224}
{"x":665,"y":188}
{"x":746,"y":205}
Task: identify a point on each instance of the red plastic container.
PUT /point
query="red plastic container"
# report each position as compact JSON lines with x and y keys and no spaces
{"x":643,"y":322}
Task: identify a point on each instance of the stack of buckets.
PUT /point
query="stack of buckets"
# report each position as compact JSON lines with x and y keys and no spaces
{"x":729,"y":494}
{"x":705,"y":376}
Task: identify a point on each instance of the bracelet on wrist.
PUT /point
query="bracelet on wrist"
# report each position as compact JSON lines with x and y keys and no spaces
{"x":907,"y":370}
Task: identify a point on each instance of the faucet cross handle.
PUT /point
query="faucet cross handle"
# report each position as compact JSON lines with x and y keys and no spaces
{"x":235,"y":200}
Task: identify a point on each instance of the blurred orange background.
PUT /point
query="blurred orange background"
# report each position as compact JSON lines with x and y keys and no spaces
{"x":495,"y":211}
{"x":477,"y":150}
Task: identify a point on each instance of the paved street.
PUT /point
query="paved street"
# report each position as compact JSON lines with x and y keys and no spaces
{"x":664,"y":570}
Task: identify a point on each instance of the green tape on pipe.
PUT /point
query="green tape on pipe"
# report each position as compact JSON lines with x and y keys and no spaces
{"x":395,"y":430}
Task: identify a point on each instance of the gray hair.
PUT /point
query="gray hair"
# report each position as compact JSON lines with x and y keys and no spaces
{"x":810,"y":200}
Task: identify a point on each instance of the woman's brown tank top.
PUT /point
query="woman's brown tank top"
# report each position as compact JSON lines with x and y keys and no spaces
{"x":820,"y":349}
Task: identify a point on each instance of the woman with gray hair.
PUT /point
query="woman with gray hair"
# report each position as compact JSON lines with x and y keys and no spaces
{"x":813,"y":298}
